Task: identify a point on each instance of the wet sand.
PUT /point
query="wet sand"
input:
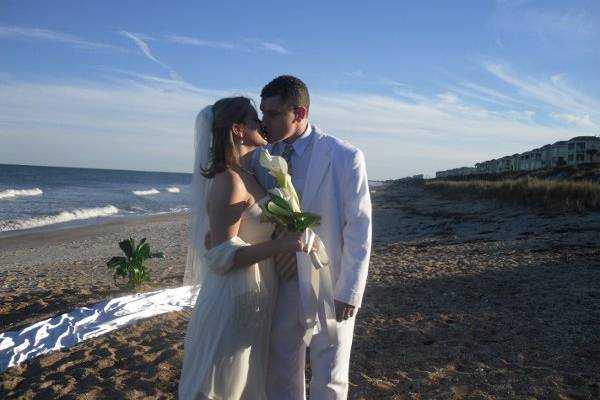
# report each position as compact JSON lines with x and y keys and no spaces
{"x":466,"y":299}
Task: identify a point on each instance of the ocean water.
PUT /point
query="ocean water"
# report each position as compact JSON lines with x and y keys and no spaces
{"x":45,"y":198}
{"x":50,"y":197}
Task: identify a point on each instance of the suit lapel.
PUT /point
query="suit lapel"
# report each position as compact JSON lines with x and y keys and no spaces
{"x":317,"y":168}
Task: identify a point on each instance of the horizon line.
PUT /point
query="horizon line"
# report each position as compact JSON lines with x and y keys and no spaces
{"x":101,"y":169}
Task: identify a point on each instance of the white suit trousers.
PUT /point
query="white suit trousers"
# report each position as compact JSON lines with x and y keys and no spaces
{"x":329,"y":364}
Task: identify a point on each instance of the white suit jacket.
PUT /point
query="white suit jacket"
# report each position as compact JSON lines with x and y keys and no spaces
{"x":336,"y":188}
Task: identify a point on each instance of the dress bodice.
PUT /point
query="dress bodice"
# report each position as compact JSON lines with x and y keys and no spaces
{"x":252,"y":230}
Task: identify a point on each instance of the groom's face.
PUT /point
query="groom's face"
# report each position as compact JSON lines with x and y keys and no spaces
{"x":279,"y":119}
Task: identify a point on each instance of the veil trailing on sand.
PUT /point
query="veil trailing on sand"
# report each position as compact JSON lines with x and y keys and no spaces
{"x":199,"y":224}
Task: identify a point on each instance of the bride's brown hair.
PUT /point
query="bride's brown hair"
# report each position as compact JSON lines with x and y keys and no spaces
{"x":226,"y":112}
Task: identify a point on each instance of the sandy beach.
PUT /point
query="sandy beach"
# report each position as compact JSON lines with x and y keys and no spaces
{"x":466,"y":299}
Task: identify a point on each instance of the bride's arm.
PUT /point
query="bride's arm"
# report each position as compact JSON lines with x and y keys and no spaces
{"x":228,"y":200}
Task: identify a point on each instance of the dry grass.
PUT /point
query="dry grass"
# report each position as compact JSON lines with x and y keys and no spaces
{"x":577,"y":196}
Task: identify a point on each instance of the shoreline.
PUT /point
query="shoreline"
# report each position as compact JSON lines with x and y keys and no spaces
{"x":56,"y":234}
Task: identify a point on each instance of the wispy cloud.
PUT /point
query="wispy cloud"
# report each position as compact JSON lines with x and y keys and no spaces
{"x":516,"y":17}
{"x":139,"y":40}
{"x":274,"y":46}
{"x":582,"y":120}
{"x":512,"y":3}
{"x":410,"y":95}
{"x":247,"y":45}
{"x":484,"y":94}
{"x":559,"y":23}
{"x":391,"y":82}
{"x":553,"y":92}
{"x":132,"y":79}
{"x":203,"y":43}
{"x":357,"y":73}
{"x":53,"y":36}
{"x":133,"y":122}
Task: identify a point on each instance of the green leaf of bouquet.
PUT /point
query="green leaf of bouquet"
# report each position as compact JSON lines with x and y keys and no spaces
{"x":281,"y":203}
{"x":311,"y":214}
{"x":312,"y":220}
{"x":277,"y":218}
{"x":277,"y":210}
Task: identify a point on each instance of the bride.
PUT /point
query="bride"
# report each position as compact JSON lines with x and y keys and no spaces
{"x":227,"y":339}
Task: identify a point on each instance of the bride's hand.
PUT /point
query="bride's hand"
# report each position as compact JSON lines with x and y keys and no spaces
{"x":292,"y":242}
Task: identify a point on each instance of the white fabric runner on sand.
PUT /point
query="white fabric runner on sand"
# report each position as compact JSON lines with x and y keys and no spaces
{"x":85,"y":323}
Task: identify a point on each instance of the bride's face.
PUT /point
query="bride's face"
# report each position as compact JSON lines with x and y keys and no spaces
{"x":252,"y":132}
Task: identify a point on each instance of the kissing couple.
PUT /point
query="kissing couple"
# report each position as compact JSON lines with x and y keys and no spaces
{"x":257,"y":307}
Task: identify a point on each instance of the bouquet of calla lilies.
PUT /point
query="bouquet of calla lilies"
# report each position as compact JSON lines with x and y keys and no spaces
{"x":284,"y":205}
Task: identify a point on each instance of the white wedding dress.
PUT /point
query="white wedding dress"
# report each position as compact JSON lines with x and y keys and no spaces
{"x":227,"y":340}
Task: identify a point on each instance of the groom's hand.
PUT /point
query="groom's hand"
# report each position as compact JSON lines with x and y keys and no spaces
{"x":343,"y":311}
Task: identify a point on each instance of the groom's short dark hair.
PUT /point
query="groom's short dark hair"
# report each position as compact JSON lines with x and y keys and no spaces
{"x":291,"y":90}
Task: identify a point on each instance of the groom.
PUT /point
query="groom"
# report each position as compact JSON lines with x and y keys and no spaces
{"x":331,"y":180}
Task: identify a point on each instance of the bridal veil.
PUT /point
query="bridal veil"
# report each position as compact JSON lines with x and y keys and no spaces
{"x":195,"y":268}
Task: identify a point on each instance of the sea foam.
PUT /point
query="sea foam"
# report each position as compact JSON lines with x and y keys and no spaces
{"x":65,"y":216}
{"x":173,"y":190}
{"x":145,"y":192}
{"x":11,"y":193}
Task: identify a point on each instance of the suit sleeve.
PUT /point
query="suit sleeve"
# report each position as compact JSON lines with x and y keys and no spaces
{"x":356,"y":249}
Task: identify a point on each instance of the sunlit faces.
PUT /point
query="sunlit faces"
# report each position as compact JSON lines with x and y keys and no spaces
{"x":249,"y":133}
{"x":280,"y":120}
{"x":252,"y":131}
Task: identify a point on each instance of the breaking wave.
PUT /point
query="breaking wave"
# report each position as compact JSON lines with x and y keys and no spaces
{"x":173,"y":189}
{"x":65,"y":216}
{"x":8,"y":194}
{"x":145,"y":192}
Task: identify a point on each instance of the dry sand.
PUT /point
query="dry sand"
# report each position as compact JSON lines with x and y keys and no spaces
{"x":467,"y":299}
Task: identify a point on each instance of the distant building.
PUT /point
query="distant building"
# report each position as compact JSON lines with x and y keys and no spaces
{"x":504,"y":164}
{"x":578,"y":150}
{"x":546,"y":156}
{"x":583,"y":149}
{"x":559,"y":153}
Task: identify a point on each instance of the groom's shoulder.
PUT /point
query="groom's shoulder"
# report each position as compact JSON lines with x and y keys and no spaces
{"x":341,"y":148}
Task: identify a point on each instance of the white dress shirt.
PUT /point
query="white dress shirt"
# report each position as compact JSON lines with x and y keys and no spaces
{"x":300,"y":159}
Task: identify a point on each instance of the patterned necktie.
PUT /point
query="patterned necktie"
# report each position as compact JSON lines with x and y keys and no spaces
{"x":285,"y":263}
{"x":287,"y":156}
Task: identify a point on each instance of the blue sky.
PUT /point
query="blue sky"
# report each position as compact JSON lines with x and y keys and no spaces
{"x":419,"y":86}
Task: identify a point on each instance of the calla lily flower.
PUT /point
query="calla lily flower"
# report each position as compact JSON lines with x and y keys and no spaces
{"x":284,"y":206}
{"x":277,"y":167}
{"x":285,"y":194}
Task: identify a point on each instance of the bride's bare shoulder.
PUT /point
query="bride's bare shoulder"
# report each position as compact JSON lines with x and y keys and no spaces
{"x":227,"y":188}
